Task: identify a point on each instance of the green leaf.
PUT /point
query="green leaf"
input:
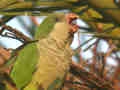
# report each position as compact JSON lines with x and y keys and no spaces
{"x":25,"y":65}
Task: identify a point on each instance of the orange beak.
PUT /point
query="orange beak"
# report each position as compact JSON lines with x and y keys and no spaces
{"x":70,"y":18}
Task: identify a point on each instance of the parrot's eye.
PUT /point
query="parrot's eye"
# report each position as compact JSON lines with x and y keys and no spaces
{"x":57,"y":20}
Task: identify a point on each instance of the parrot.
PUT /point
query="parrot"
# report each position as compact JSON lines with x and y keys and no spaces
{"x":50,"y":58}
{"x":55,"y":56}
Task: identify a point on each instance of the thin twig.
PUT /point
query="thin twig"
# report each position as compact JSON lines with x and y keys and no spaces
{"x":17,"y":33}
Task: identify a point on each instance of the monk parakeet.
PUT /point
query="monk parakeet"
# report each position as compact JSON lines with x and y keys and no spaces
{"x":55,"y":55}
{"x":53,"y":58}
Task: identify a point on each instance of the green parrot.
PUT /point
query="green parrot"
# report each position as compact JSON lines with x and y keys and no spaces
{"x":54,"y":56}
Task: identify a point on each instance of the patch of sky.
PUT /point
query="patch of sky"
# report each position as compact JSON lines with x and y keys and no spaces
{"x":12,"y":43}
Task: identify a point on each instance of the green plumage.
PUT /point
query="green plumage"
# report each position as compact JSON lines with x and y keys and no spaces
{"x":45,"y":27}
{"x":54,"y":60}
{"x":25,"y":65}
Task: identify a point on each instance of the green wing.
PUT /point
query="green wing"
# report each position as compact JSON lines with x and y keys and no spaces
{"x":25,"y":65}
{"x":45,"y":27}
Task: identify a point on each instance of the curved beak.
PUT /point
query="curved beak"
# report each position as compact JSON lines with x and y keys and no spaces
{"x":71,"y":20}
{"x":71,"y":17}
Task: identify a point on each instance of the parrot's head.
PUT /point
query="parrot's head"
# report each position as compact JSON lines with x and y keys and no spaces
{"x":68,"y":18}
{"x":71,"y":18}
{"x":58,"y":26}
{"x":65,"y":28}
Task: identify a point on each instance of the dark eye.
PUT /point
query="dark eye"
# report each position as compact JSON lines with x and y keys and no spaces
{"x":57,"y":20}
